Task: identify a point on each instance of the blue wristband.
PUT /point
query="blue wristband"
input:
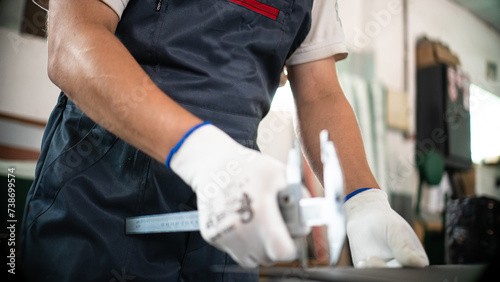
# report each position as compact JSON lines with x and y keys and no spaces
{"x":355,"y":193}
{"x":176,"y":148}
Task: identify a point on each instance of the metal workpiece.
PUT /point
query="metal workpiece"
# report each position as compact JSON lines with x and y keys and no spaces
{"x":333,"y":182}
{"x":434,"y":273}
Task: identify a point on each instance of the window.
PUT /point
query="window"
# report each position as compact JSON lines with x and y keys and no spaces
{"x":485,"y":124}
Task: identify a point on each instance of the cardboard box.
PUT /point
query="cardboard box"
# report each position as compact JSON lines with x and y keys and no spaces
{"x":430,"y":53}
{"x":398,"y":112}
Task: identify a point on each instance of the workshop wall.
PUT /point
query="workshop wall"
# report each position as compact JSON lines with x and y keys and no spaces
{"x":25,"y":89}
{"x":376,"y":27}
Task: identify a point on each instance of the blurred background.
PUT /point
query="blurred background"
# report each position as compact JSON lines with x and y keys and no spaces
{"x":422,"y":77}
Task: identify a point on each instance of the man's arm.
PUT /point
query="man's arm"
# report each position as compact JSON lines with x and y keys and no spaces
{"x":378,"y":236}
{"x":321,"y":104}
{"x":96,"y":71}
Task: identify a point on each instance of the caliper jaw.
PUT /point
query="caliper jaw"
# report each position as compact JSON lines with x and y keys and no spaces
{"x":301,"y":213}
{"x":333,"y":182}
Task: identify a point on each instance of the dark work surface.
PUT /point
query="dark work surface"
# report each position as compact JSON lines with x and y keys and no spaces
{"x":438,"y":273}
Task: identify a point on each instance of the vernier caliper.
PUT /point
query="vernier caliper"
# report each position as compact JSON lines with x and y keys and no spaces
{"x":299,"y":213}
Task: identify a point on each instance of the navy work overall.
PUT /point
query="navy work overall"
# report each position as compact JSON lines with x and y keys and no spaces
{"x":220,"y":60}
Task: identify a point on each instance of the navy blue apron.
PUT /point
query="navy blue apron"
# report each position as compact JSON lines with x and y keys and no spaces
{"x":221,"y":60}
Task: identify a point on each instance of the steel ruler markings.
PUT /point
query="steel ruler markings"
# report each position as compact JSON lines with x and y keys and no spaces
{"x":169,"y":222}
{"x":311,"y":211}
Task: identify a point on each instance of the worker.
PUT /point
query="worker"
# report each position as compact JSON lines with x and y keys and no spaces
{"x":160,"y":104}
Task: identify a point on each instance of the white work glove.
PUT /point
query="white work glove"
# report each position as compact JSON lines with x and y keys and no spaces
{"x":237,"y":196}
{"x":378,"y":236}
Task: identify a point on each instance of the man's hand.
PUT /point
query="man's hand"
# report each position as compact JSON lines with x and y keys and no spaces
{"x":237,"y":195}
{"x":378,"y":236}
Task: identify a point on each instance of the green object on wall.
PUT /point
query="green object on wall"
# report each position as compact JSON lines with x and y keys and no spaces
{"x":431,"y":167}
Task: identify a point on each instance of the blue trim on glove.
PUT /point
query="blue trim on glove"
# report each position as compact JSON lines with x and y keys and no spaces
{"x":355,"y":193}
{"x":176,"y":148}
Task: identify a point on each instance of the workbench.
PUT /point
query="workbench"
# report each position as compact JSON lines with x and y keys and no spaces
{"x":438,"y":273}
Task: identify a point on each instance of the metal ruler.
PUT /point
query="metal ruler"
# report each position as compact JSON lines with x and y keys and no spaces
{"x":289,"y":202}
{"x":161,"y":223}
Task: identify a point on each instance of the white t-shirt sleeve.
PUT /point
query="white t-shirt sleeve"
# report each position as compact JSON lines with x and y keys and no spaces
{"x":325,"y":38}
{"x":117,"y":5}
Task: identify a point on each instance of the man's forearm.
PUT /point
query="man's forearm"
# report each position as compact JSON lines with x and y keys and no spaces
{"x":341,"y":123}
{"x":321,"y":104}
{"x":101,"y":77}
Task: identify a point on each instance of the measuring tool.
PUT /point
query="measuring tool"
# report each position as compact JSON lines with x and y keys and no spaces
{"x":299,"y":213}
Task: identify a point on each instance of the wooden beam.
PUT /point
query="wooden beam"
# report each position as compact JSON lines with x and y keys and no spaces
{"x":13,"y":153}
{"x":28,"y":121}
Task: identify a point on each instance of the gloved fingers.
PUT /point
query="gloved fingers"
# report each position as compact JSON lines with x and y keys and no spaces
{"x":266,"y":250}
{"x":406,"y":246}
{"x":280,"y":248}
{"x":252,"y":260}
{"x":372,"y":262}
{"x":376,"y":262}
{"x":245,"y":261}
{"x":367,"y":240}
{"x":411,"y":256}
{"x":393,"y":263}
{"x":241,"y":256}
{"x":278,"y":244}
{"x":256,"y":256}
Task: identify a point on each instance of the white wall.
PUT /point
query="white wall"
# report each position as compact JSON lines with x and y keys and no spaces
{"x":377,"y":26}
{"x":472,"y":40}
{"x":25,"y":88}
